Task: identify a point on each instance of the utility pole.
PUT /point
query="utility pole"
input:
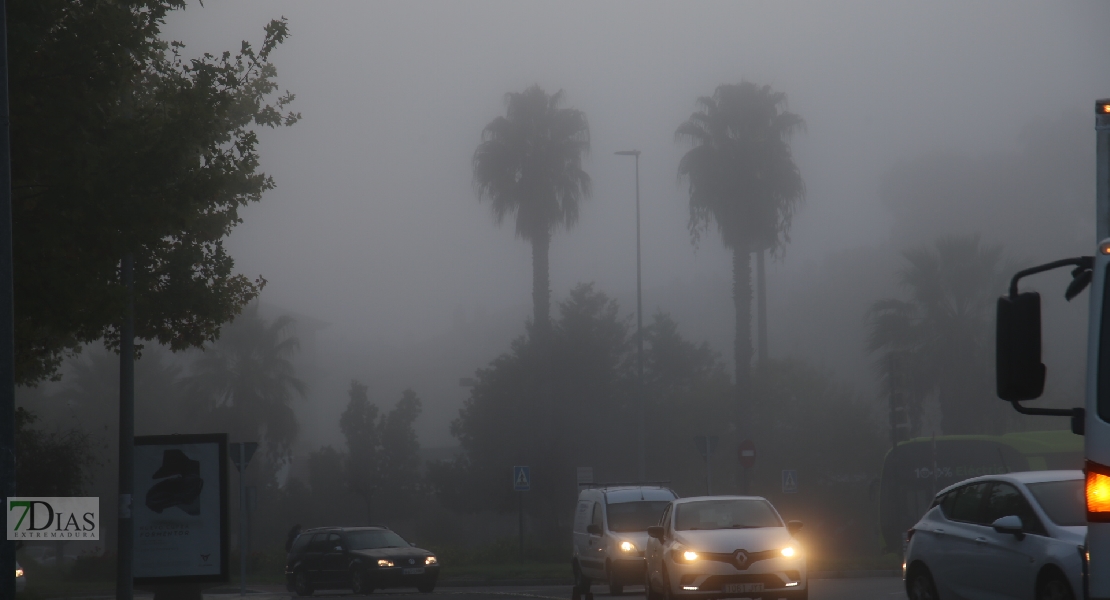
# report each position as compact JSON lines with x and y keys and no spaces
{"x":7,"y":316}
{"x":125,"y":542}
{"x":639,"y":323}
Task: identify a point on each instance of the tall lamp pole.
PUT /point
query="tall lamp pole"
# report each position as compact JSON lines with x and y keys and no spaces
{"x":639,"y":316}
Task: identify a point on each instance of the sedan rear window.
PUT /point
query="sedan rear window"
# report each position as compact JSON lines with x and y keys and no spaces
{"x":1062,"y":501}
{"x":374,"y":538}
{"x":725,"y":514}
{"x":635,"y":516}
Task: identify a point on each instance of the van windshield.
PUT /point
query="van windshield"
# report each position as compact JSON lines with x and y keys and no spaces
{"x":635,"y":516}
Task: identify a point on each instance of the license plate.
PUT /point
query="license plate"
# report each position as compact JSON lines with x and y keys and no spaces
{"x":740,"y":588}
{"x":420,"y":570}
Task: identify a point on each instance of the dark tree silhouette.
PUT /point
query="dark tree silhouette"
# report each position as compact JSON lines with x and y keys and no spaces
{"x":529,"y":164}
{"x":742,"y":176}
{"x":940,"y":340}
{"x":247,"y":380}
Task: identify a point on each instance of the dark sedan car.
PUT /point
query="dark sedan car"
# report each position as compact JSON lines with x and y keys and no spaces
{"x":361,"y":559}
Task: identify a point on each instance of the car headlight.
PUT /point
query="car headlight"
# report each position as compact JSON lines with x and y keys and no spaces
{"x":789,"y":552}
{"x":19,"y":573}
{"x":383,"y":562}
{"x":628,"y":547}
{"x":431,"y":560}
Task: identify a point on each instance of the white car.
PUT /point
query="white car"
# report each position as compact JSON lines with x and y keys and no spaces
{"x":1017,"y":536}
{"x":610,"y":533}
{"x":725,"y":546}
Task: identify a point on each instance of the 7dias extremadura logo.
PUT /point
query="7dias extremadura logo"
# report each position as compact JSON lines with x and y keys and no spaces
{"x":53,"y":518}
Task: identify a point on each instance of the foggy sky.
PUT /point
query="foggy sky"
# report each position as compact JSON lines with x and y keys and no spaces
{"x":374,"y":227}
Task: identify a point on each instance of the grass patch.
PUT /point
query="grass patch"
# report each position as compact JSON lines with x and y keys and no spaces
{"x":882,"y":562}
{"x":522,"y":570}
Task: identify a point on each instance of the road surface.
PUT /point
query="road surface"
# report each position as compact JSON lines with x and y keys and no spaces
{"x":869,"y":588}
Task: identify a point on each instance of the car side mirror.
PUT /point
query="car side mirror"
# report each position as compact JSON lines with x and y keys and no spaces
{"x":1010,"y":524}
{"x":413,"y":544}
{"x":593,"y":529}
{"x":656,"y":531}
{"x":793,"y":527}
{"x":1019,"y":372}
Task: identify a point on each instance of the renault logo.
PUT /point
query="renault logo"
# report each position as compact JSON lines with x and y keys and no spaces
{"x":741,"y":559}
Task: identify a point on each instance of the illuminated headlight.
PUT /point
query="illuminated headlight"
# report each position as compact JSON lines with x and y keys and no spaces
{"x":789,"y":552}
{"x":690,"y":555}
{"x":383,"y":562}
{"x":19,"y":572}
{"x":431,"y":560}
{"x":628,"y":547}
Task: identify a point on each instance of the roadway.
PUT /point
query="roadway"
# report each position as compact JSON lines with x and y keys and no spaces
{"x":871,"y":588}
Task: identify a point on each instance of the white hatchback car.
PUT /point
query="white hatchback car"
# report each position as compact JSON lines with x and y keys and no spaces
{"x":724,"y":546}
{"x":1018,"y":536}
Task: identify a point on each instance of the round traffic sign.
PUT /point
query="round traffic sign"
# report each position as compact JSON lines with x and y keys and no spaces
{"x":746,"y":453}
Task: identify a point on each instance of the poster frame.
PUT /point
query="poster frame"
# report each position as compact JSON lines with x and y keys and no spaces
{"x":220,"y":439}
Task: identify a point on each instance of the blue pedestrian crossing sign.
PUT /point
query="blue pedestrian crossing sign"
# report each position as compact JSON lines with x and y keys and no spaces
{"x":789,"y":481}
{"x":522,"y":479}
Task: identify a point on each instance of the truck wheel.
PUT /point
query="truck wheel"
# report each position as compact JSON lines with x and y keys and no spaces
{"x":615,"y":586}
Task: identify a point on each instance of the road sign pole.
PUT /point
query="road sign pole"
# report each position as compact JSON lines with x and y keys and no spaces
{"x":708,"y":485}
{"x":520,"y":522}
{"x":242,"y":522}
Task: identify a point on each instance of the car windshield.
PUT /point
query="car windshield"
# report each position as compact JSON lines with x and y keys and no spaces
{"x":635,"y":516}
{"x":725,"y":514}
{"x":1062,"y":501}
{"x":374,"y":538}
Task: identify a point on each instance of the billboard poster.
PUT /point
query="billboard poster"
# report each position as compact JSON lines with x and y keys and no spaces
{"x":179,"y":509}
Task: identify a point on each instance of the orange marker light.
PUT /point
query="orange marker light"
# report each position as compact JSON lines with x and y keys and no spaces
{"x":1098,"y":492}
{"x":1106,"y":108}
{"x":1104,"y":248}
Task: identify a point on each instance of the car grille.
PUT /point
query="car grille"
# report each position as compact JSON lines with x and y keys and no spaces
{"x":741,"y":559}
{"x":715,"y":582}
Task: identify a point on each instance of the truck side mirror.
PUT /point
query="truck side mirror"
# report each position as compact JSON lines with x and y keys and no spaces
{"x":593,"y":529}
{"x":655,"y":531}
{"x":1019,"y":372}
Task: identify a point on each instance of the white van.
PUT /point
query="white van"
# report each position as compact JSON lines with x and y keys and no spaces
{"x":610,"y":534}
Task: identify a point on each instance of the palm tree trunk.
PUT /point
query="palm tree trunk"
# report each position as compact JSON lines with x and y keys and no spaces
{"x":541,"y":283}
{"x":742,"y":345}
{"x":761,"y":305}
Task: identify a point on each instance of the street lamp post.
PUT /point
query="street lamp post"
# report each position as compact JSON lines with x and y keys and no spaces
{"x":639,"y":316}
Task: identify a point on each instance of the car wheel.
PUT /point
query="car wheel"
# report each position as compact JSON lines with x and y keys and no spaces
{"x":615,"y":587}
{"x":919,"y":584}
{"x":667,"y":593}
{"x":300,"y":583}
{"x":1054,"y":587}
{"x":359,"y":582}
{"x":427,"y":586}
{"x":649,"y":592}
{"x":581,"y":582}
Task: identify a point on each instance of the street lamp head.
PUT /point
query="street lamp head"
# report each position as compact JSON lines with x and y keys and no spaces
{"x":628,"y":152}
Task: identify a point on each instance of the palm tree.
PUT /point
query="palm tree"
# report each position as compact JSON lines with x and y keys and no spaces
{"x":529,"y":164}
{"x":742,"y":175}
{"x":247,"y":381}
{"x":941,"y":337}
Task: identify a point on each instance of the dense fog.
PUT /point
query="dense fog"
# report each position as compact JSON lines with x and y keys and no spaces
{"x":921,"y":121}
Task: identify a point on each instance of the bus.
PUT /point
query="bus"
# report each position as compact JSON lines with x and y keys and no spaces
{"x":915,"y":470}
